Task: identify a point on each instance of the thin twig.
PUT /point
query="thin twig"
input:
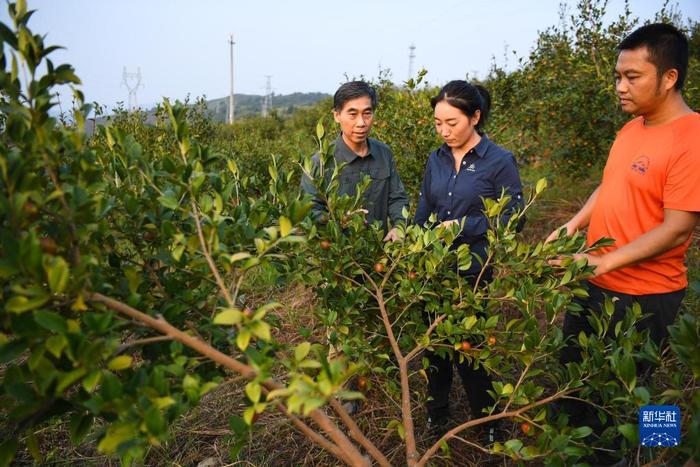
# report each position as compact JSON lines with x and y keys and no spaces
{"x":210,"y":260}
{"x":145,"y":341}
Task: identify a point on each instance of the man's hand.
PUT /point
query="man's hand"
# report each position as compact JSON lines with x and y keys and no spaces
{"x":597,"y":261}
{"x":392,"y":236}
{"x":554,"y":235}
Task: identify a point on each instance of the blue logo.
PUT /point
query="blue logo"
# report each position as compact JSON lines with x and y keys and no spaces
{"x":660,"y":425}
{"x":641,"y":165}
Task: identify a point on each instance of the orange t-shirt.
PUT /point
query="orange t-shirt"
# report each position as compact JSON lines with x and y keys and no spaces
{"x":649,"y":169}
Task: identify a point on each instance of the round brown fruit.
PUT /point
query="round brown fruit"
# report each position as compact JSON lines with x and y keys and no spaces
{"x":492,"y":340}
{"x":48,"y":245}
{"x":247,"y":312}
{"x":466,"y":346}
{"x":149,"y":235}
{"x":525,"y":427}
{"x":361,"y":382}
{"x":412,"y":275}
{"x":30,"y":210}
{"x":325,"y":244}
{"x":379,"y":268}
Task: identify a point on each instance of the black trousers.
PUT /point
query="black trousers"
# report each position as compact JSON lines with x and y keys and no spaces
{"x":476,"y":382}
{"x":662,"y":310}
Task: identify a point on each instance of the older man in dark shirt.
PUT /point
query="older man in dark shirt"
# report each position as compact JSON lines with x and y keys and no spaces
{"x":353,"y":109}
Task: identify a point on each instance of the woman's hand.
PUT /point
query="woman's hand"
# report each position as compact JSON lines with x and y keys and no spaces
{"x":449,"y":223}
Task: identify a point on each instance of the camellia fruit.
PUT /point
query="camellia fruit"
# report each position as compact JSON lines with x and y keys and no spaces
{"x":525,"y":427}
{"x":466,"y":346}
{"x":48,"y":245}
{"x":379,"y":268}
{"x":492,"y":340}
{"x":325,"y":244}
{"x":361,"y":382}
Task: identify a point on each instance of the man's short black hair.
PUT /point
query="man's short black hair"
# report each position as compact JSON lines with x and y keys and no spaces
{"x":667,"y":46}
{"x":353,"y":90}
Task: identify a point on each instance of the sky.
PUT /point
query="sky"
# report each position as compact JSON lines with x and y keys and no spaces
{"x":181,"y":47}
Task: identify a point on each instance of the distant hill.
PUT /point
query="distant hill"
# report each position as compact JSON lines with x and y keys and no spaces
{"x":248,"y":104}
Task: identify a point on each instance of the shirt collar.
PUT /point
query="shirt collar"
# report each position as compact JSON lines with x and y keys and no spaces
{"x":479,"y":149}
{"x":344,"y":153}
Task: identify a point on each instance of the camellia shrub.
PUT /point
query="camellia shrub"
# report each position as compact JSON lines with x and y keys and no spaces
{"x":123,"y":273}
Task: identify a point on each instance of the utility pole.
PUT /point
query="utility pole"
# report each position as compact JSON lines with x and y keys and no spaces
{"x":132,"y":81}
{"x":411,"y":56}
{"x":267,"y":100}
{"x":231,"y":103}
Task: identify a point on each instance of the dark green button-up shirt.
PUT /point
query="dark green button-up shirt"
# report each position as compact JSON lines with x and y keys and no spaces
{"x":385,"y":197}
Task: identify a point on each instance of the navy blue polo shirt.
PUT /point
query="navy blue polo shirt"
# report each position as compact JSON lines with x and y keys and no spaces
{"x":484,"y":171}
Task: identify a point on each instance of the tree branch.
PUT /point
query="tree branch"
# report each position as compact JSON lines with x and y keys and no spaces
{"x":350,"y":454}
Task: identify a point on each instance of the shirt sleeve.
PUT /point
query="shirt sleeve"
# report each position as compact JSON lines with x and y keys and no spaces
{"x":682,"y":190}
{"x":398,"y":199}
{"x":425,"y":206}
{"x":318,"y":207}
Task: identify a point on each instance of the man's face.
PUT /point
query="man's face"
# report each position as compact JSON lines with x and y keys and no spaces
{"x":355,"y":119}
{"x":639,"y":87}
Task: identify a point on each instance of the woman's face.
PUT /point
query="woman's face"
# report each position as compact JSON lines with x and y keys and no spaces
{"x":455,"y":128}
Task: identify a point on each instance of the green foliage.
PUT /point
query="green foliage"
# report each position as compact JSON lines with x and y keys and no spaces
{"x":559,"y":108}
{"x":172,"y":218}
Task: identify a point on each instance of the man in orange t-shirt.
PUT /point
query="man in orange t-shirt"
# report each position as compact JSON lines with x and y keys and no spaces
{"x":649,"y":197}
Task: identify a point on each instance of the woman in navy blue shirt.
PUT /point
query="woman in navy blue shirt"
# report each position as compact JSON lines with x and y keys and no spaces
{"x":465,"y":169}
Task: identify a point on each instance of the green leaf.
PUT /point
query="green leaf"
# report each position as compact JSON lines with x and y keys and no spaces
{"x":68,"y":379}
{"x":7,"y":452}
{"x":56,"y":344}
{"x":285,"y":226}
{"x":507,"y":389}
{"x":169,"y":201}
{"x":116,"y":435}
{"x":469,"y":322}
{"x":239,"y":256}
{"x":630,"y":431}
{"x":51,"y":321}
{"x":80,"y":425}
{"x":541,"y":185}
{"x":177,"y":252}
{"x":581,"y":432}
{"x":320,"y":131}
{"x":20,"y":303}
{"x":243,"y":339}
{"x":261,"y":329}
{"x":33,"y":447}
{"x":301,"y":351}
{"x":253,"y":391}
{"x":58,"y":273}
{"x":228,"y":317}
{"x":91,"y":381}
{"x":248,"y":415}
{"x":121,"y":362}
{"x":237,"y":425}
{"x":514,"y":445}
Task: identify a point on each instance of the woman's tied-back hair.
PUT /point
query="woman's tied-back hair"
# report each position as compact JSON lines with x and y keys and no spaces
{"x":466,"y":97}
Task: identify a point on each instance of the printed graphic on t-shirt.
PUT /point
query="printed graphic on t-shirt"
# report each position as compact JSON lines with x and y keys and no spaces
{"x":641,"y":165}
